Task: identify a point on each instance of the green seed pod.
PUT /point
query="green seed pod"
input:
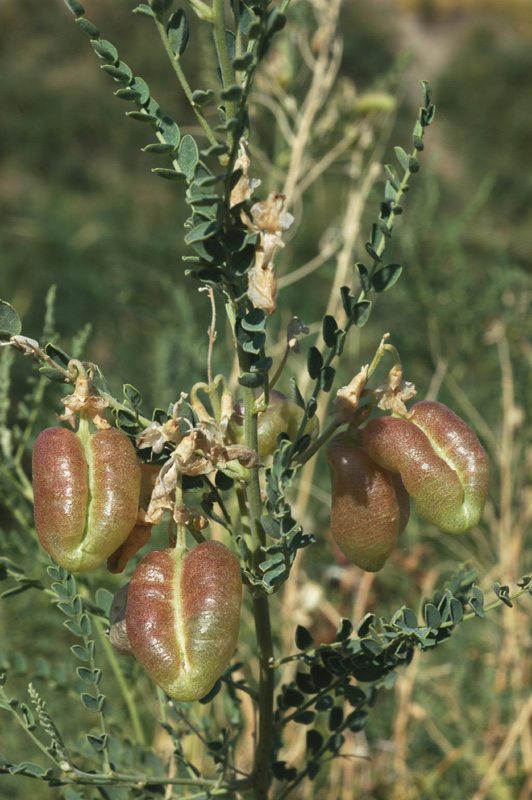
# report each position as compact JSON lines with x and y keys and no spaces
{"x":183,"y":617}
{"x":86,"y":492}
{"x":442,"y":463}
{"x":370,"y":506}
{"x":282,"y":416}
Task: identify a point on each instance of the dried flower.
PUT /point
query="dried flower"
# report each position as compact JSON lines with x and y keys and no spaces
{"x":245,"y":185}
{"x":156,"y":435}
{"x":269,"y":216}
{"x":269,"y":219}
{"x":348,"y":397}
{"x":392,"y":394}
{"x":82,"y":399}
{"x":199,"y":450}
{"x":262,"y":285}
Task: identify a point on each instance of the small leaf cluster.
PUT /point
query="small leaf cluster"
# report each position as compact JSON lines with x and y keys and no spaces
{"x":319,"y":697}
{"x":182,"y":151}
{"x":333,"y":671}
{"x":30,"y":722}
{"x":70,"y":603}
{"x":278,"y":523}
{"x":319,"y":368}
{"x":10,"y":570}
{"x":26,"y":768}
{"x":379,"y":277}
{"x":250,"y":332}
{"x":58,"y":747}
{"x":224,"y":248}
{"x":376,"y":277}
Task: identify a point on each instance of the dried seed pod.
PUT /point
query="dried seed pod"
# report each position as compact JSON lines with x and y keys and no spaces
{"x":442,"y":463}
{"x":370,"y":506}
{"x":86,"y":491}
{"x":183,"y":617}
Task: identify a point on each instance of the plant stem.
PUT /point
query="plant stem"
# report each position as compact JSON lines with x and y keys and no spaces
{"x":224,"y":61}
{"x":117,"y":405}
{"x":129,"y":700}
{"x":310,"y":451}
{"x":406,"y":637}
{"x":24,"y":726}
{"x":261,"y":613}
{"x":379,"y":249}
{"x":184,"y":83}
{"x":253,"y":485}
{"x":101,"y":713}
{"x":303,"y":707}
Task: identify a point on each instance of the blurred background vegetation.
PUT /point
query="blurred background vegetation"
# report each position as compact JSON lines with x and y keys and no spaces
{"x":79,"y":209}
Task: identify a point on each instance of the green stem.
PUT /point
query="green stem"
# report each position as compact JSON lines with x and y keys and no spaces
{"x":103,"y":722}
{"x":279,"y":370}
{"x":237,"y":134}
{"x":244,"y":515}
{"x":242,"y":688}
{"x":407,"y":637}
{"x":22,"y":724}
{"x":164,"y":717}
{"x":184,"y":83}
{"x":131,"y":705}
{"x":214,"y":489}
{"x":310,"y":702}
{"x":379,"y":249}
{"x":253,"y":486}
{"x":116,"y":404}
{"x":239,"y":49}
{"x":309,"y":452}
{"x":140,"y":781}
{"x":224,"y":61}
{"x":261,"y":614}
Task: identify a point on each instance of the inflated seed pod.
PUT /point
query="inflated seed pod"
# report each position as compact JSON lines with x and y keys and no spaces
{"x":283,"y":415}
{"x":117,"y":623}
{"x":370,"y":506}
{"x":86,"y":492}
{"x":442,"y":463}
{"x":140,"y":534}
{"x":183,"y":617}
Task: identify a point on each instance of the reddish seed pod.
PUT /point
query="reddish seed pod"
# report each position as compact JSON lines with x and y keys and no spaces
{"x":183,"y":617}
{"x":86,"y":490}
{"x":442,"y":463}
{"x":117,"y":623}
{"x":370,"y":506}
